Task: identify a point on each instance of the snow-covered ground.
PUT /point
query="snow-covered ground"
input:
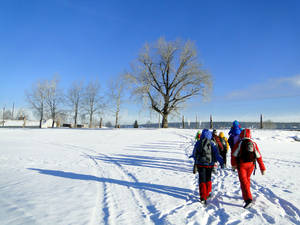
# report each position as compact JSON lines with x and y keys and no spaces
{"x":137,"y":176}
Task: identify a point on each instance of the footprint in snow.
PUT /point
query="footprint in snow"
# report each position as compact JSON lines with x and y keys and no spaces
{"x":268,"y":218}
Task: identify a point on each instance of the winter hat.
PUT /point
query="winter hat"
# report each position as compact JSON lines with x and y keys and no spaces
{"x":206,"y":134}
{"x":235,"y":123}
{"x":221,"y":134}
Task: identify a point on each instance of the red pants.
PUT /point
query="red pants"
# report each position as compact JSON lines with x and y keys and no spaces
{"x":245,"y":170}
{"x":205,"y":184}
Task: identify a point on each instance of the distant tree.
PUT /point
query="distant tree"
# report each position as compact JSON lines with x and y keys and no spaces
{"x":36,"y":97}
{"x":7,"y":114}
{"x":168,"y":72}
{"x":21,"y":113}
{"x":74,"y":98}
{"x":136,"y":125}
{"x":54,"y":97}
{"x":116,"y":96}
{"x":92,"y":100}
{"x":269,"y":124}
{"x":108,"y":124}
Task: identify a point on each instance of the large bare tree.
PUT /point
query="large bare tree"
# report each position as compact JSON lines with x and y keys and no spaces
{"x":74,"y":98}
{"x":116,"y":96}
{"x":36,"y":98}
{"x":92,"y":100}
{"x":54,"y":97}
{"x":167,"y":74}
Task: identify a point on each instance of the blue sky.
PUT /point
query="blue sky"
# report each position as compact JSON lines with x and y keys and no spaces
{"x":251,"y":48}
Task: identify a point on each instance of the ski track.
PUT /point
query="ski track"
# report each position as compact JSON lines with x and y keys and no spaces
{"x":144,"y":206}
{"x":215,"y":213}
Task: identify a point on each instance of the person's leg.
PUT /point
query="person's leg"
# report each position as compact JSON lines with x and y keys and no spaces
{"x":250,"y":169}
{"x":243,"y":181}
{"x":223,"y":154}
{"x":202,"y":183}
{"x":244,"y":172}
{"x":208,"y":181}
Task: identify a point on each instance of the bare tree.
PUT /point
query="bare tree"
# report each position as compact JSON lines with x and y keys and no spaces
{"x":74,"y":98}
{"x":36,"y":98}
{"x":170,"y":73}
{"x":116,"y":96}
{"x":53,"y":98}
{"x":92,"y":100}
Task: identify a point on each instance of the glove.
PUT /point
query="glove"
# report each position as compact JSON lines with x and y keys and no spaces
{"x":195,"y":169}
{"x":263,"y":172}
{"x":234,"y":168}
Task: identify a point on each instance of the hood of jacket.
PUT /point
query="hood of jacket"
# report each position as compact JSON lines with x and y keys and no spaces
{"x":235,"y":124}
{"x":246,"y":133}
{"x":206,"y":134}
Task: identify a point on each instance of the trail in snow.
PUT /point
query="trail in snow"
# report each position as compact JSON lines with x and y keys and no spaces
{"x":137,"y":181}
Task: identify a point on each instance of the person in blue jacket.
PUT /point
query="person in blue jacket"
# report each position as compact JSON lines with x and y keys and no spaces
{"x":205,"y":154}
{"x":235,"y":127}
{"x":234,"y":134}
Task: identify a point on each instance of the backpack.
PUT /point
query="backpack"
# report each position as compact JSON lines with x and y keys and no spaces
{"x":223,"y":141}
{"x":204,"y":152}
{"x":247,"y":151}
{"x":233,"y":139}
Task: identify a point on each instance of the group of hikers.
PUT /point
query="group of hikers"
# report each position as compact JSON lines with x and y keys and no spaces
{"x":211,"y":147}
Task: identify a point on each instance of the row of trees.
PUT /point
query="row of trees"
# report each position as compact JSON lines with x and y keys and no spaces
{"x":47,"y":99}
{"x":164,"y":76}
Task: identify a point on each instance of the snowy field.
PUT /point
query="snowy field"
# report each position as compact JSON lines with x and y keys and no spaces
{"x":137,"y":176}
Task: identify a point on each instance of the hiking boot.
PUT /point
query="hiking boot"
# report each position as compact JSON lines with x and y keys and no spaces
{"x":247,"y":203}
{"x":203,"y":201}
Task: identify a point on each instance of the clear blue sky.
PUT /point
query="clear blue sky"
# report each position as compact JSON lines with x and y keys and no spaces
{"x":252,"y":49}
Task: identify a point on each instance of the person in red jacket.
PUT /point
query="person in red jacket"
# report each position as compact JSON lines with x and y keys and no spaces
{"x":245,"y":154}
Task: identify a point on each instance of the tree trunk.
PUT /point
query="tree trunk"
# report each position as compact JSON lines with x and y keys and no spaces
{"x":100,"y":124}
{"x":75,"y":119}
{"x":41,"y":120}
{"x":53,"y":123}
{"x":165,"y":121}
{"x":91,"y":120}
{"x":117,"y":119}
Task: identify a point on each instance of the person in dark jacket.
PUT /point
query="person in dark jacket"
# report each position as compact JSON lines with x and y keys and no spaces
{"x":218,"y":143}
{"x":217,"y":140}
{"x":205,"y":168}
{"x":225,"y":145}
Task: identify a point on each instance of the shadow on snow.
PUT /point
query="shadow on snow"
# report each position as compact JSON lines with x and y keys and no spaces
{"x":171,"y":164}
{"x":175,"y":192}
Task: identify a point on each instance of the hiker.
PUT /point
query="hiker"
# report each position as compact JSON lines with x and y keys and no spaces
{"x":225,"y":145}
{"x":198,"y":135}
{"x":205,"y":154}
{"x":235,"y":125}
{"x":244,"y":157}
{"x":234,"y":135}
{"x":217,"y":141}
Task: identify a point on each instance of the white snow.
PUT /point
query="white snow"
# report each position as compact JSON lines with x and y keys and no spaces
{"x":137,"y":176}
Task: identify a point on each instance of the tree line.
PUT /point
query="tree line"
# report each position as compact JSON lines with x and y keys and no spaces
{"x":163,"y":77}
